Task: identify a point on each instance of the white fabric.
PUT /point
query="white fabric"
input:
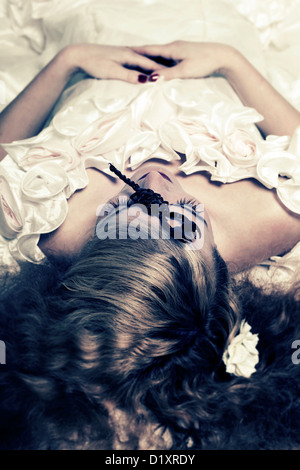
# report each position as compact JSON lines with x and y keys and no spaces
{"x":97,"y":122}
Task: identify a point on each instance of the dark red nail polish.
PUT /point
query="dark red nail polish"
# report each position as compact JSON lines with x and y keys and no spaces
{"x":154,"y":77}
{"x":142,"y":78}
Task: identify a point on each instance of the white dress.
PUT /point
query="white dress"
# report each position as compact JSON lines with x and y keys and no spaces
{"x":97,"y":122}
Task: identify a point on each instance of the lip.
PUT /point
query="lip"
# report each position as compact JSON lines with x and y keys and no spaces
{"x":162,"y":174}
{"x":165,"y":176}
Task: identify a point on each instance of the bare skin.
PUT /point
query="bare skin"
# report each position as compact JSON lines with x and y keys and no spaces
{"x":247,"y":222}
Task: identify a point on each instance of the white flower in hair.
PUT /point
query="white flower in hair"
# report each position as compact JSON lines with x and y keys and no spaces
{"x":241,"y":355}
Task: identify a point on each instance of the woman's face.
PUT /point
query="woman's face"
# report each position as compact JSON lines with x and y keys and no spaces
{"x":167,"y":185}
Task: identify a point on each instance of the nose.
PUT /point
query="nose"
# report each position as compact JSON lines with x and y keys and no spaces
{"x":153,"y":180}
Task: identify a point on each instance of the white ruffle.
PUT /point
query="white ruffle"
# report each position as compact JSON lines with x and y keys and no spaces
{"x":268,"y":16}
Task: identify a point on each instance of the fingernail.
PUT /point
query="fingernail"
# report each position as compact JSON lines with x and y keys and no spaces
{"x":154,"y":77}
{"x":142,"y":78}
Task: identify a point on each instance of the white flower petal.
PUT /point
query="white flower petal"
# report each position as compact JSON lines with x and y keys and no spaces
{"x":241,"y":355}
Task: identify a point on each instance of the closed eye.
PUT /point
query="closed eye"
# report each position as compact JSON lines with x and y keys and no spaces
{"x":183,"y":203}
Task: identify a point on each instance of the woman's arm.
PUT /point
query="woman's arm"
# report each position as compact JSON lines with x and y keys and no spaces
{"x":27,"y":113}
{"x":195,"y":60}
{"x":25,"y":116}
{"x":280,"y":117}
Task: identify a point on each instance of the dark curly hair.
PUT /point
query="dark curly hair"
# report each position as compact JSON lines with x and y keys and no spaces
{"x":122,"y":349}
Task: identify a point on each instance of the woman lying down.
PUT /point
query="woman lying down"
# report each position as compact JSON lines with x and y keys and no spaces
{"x":131,"y":332}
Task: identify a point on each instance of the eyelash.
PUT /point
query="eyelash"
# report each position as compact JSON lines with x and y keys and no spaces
{"x":184,"y":201}
{"x":114,"y":204}
{"x":181,"y":202}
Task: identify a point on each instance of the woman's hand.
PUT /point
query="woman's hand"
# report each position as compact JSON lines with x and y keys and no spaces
{"x":190,"y":59}
{"x":111,"y":62}
{"x":197,"y":60}
{"x":27,"y":113}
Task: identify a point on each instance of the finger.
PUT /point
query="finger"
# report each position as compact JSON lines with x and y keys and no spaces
{"x":156,"y":50}
{"x":118,"y":72}
{"x":169,"y":73}
{"x":144,"y":63}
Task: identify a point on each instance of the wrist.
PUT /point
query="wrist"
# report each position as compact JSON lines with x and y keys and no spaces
{"x":68,"y":61}
{"x":230,"y":60}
